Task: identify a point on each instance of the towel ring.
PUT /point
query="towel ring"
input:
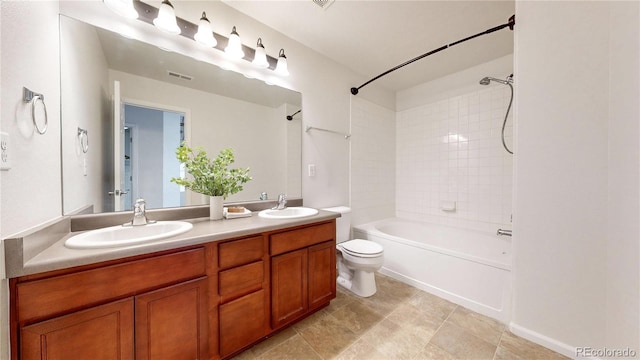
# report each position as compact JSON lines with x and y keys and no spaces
{"x":32,"y":97}
{"x":83,"y":137}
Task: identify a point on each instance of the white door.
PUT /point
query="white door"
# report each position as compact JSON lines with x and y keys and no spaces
{"x":118,"y":150}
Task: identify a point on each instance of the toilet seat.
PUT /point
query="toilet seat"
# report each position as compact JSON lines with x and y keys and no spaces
{"x":362,"y":248}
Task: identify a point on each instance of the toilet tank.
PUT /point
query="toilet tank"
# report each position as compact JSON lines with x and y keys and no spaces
{"x":343,"y":223}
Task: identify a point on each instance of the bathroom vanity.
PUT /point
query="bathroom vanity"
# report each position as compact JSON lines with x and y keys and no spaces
{"x":205,"y":294}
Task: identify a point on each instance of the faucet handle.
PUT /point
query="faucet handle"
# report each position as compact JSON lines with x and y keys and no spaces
{"x":139,"y":206}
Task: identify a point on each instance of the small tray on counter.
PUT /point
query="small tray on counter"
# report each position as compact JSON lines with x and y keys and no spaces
{"x":235,"y":214}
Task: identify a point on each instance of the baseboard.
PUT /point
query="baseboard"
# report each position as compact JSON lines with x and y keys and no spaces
{"x":543,"y":340}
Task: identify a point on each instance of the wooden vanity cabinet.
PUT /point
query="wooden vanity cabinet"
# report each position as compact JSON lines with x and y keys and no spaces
{"x":303,"y":272}
{"x":204,"y":302}
{"x":152,"y":308}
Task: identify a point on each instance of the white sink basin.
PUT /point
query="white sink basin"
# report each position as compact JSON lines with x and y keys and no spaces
{"x":287,"y":213}
{"x":119,"y":235}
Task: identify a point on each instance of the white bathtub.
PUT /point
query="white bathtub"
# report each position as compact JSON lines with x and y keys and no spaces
{"x":469,"y":268}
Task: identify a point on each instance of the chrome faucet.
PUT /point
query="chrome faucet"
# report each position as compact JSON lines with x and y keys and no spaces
{"x":282,"y":202}
{"x":264,"y":196}
{"x":504,"y":232}
{"x":139,"y":214}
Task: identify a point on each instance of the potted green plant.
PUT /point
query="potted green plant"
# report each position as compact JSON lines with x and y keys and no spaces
{"x":211,"y":177}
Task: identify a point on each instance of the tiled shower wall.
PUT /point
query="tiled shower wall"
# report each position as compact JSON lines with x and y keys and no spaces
{"x":450,"y":151}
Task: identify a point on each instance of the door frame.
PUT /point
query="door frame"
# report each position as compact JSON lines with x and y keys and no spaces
{"x":160,"y":107}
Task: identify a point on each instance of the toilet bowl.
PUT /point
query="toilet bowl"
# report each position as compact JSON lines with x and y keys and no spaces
{"x":359,"y":267}
{"x":357,"y":259}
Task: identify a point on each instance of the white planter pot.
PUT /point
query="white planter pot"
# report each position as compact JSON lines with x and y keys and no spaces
{"x":215,"y":207}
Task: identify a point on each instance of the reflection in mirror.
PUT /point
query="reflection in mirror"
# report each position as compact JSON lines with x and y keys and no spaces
{"x":137,"y":102}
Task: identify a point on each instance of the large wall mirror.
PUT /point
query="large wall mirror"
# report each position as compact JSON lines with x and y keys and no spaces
{"x":150,"y":100}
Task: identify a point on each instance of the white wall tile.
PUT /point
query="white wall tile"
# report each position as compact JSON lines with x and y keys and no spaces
{"x":451,"y":150}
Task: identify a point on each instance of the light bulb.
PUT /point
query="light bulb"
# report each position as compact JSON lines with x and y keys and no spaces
{"x":281,"y":66}
{"x":204,"y":35}
{"x":234,"y":47}
{"x":260,"y":58}
{"x":166,"y":20}
{"x":122,"y":7}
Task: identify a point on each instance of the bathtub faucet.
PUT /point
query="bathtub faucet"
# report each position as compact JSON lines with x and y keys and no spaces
{"x":503,"y":232}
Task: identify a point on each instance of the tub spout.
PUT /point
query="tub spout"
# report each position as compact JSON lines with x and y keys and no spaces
{"x":503,"y":232}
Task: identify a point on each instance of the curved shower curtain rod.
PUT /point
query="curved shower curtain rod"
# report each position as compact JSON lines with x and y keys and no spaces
{"x":511,"y":23}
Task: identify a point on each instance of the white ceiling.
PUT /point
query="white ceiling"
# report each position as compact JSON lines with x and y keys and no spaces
{"x":372,"y":36}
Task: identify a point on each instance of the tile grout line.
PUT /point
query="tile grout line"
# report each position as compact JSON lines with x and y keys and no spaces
{"x":438,"y":329}
{"x":498,"y":346}
{"x":358,"y":337}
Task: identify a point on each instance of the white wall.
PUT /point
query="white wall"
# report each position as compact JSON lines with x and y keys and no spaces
{"x":449,"y":149}
{"x":373,"y":158}
{"x":572,"y":124}
{"x":30,"y":58}
{"x":623,"y":245}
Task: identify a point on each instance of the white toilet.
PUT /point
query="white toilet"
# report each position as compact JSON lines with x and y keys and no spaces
{"x":357,"y":259}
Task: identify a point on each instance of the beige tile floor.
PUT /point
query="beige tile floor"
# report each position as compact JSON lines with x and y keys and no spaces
{"x":398,"y":322}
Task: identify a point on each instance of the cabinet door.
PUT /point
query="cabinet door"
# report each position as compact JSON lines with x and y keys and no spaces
{"x":289,"y":294}
{"x":171,"y":323}
{"x":242,"y":321}
{"x":102,"y":332}
{"x":322,"y":274}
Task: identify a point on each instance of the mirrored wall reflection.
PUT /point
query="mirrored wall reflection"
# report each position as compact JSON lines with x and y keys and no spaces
{"x":120,"y":88}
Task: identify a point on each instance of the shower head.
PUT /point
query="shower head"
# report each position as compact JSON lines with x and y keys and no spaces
{"x":486,"y":80}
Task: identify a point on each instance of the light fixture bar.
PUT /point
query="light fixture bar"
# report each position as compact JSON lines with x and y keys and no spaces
{"x":511,"y":23}
{"x":147,"y":13}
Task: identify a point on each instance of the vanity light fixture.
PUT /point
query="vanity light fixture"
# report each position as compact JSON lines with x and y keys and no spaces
{"x":123,"y":8}
{"x":234,"y":47}
{"x":260,"y":58}
{"x":204,"y":35}
{"x":166,"y":20}
{"x":281,"y":66}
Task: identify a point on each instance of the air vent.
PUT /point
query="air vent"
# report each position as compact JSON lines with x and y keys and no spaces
{"x":180,"y":76}
{"x":324,"y":4}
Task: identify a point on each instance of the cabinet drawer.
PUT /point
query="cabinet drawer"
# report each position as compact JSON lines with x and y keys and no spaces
{"x":297,"y":239}
{"x":241,"y":280}
{"x":43,"y":298}
{"x":240,"y":252}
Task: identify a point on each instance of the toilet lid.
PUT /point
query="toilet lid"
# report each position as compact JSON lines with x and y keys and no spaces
{"x":359,"y":247}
